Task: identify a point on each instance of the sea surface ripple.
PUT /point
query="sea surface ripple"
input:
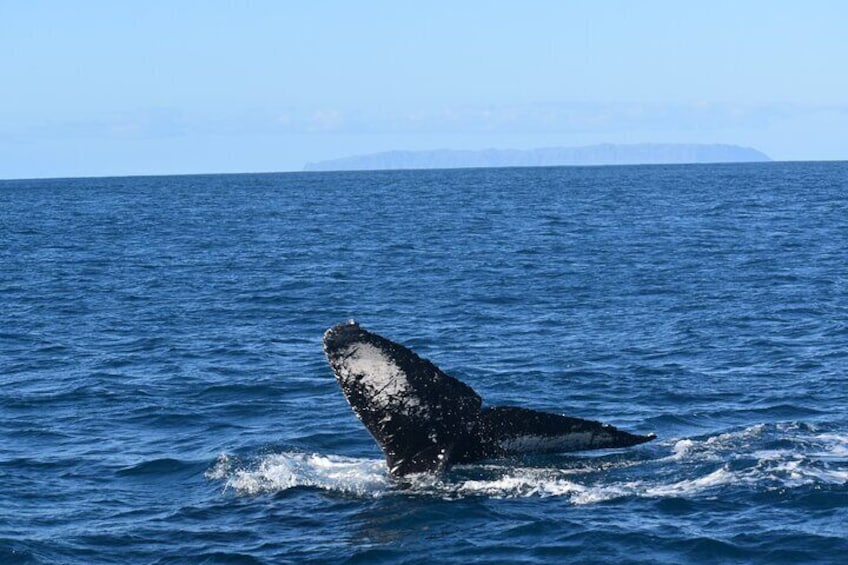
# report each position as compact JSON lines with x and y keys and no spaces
{"x":164,"y":397}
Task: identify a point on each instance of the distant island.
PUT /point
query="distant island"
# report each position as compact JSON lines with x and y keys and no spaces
{"x":604,"y":154}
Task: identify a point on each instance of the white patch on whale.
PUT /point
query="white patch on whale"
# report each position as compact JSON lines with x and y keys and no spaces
{"x":383,"y":381}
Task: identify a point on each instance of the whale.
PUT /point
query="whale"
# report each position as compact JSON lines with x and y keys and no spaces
{"x":425,"y":421}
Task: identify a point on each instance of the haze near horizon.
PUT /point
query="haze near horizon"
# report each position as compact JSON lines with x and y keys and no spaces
{"x":101,"y":88}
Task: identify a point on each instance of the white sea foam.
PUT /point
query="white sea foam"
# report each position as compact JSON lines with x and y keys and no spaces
{"x":221,"y":468}
{"x":833,"y":445}
{"x":519,"y":484}
{"x":279,"y":472}
{"x":369,"y":478}
{"x":686,"y":487}
{"x":694,"y":467}
{"x":714,"y":447}
{"x":682,"y":449}
{"x":547,"y":483}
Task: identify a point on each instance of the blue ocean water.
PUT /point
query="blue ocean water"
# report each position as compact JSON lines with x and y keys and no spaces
{"x":164,"y":397}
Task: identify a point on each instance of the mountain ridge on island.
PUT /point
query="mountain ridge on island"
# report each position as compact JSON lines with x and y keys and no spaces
{"x":602,"y":154}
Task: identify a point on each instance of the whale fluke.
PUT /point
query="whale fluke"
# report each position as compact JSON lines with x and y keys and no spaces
{"x":425,"y":420}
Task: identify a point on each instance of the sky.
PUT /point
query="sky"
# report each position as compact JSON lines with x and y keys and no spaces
{"x":100,"y":88}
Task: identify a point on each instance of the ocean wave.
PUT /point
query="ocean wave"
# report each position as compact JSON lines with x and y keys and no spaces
{"x":157,"y":467}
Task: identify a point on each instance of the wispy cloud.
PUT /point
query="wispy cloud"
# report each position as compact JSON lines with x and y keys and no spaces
{"x":571,"y":118}
{"x":548,"y":118}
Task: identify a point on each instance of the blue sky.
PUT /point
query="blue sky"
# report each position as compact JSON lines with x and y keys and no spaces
{"x":115,"y":88}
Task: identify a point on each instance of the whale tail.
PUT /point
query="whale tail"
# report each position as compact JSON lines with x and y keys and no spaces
{"x":510,"y":430}
{"x":425,"y":420}
{"x":420,"y":416}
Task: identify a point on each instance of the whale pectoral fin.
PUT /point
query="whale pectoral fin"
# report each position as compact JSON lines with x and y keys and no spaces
{"x":508,"y":430}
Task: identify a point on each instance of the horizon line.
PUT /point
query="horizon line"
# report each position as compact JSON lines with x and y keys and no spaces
{"x":304,"y":172}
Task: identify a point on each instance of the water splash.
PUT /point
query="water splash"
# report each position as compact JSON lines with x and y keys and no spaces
{"x":283,"y":471}
{"x":693,"y":467}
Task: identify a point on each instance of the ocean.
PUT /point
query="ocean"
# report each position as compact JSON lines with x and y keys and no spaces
{"x":164,"y":397}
